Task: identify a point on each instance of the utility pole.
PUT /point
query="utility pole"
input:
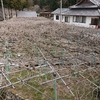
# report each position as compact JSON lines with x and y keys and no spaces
{"x":3,"y":10}
{"x":60,"y":11}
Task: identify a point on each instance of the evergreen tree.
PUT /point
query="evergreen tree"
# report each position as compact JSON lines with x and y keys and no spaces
{"x":30,"y":3}
{"x":53,"y":4}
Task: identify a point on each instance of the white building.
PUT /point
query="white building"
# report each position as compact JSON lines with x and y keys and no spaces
{"x":26,"y":14}
{"x":85,"y":13}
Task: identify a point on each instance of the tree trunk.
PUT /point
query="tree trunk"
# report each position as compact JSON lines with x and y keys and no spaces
{"x":16,"y":12}
{"x":11,"y":13}
{"x":8,"y":12}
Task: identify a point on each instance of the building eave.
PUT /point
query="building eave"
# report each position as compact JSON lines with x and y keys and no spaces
{"x":86,"y":7}
{"x":96,"y":4}
{"x":81,"y":15}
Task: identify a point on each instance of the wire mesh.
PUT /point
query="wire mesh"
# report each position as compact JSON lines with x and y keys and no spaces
{"x":74,"y":55}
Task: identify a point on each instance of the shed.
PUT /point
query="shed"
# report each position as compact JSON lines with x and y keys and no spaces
{"x":26,"y":14}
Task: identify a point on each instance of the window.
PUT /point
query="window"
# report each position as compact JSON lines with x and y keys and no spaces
{"x":83,"y":19}
{"x":57,"y":17}
{"x":76,"y":19}
{"x":66,"y":19}
{"x":79,"y":19}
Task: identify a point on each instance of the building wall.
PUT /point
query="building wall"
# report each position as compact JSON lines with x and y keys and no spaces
{"x":26,"y":14}
{"x":87,"y":24}
{"x":63,"y":18}
{"x":55,"y":18}
{"x":71,"y":19}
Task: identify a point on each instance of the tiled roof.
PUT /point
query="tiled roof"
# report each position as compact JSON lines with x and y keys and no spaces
{"x":57,"y":11}
{"x":83,"y":9}
{"x":84,"y":12}
{"x":78,"y":12}
{"x":96,"y":2}
{"x":91,"y":4}
{"x":84,"y":5}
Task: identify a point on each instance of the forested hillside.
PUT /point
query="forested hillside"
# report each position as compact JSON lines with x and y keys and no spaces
{"x":52,"y":4}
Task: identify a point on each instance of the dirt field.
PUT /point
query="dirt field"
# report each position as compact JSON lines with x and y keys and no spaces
{"x":34,"y":50}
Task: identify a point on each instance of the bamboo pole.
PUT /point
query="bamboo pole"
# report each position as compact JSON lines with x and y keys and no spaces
{"x":55,"y":87}
{"x":6,"y":57}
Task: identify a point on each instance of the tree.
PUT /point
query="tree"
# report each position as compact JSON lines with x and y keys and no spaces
{"x":54,"y":4}
{"x":16,"y":4}
{"x":30,"y":3}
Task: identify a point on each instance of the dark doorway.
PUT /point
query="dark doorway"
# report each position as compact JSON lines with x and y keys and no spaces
{"x":94,"y":21}
{"x":99,"y":23}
